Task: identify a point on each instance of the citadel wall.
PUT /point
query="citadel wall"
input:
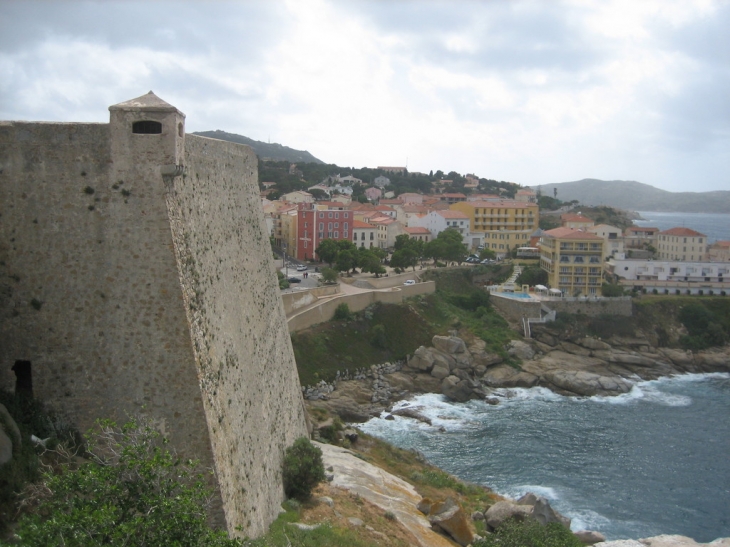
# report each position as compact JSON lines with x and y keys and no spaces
{"x":134,"y":290}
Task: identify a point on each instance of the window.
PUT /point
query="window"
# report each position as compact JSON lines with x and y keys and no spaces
{"x":147,"y":127}
{"x":337,"y":235}
{"x":321,"y":215}
{"x":321,"y":226}
{"x":372,"y":235}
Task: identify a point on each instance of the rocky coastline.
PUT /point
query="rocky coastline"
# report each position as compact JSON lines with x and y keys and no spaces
{"x":462,"y":369}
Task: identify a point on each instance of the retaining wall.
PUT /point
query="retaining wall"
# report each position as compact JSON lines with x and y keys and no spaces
{"x":294,"y":301}
{"x":356,"y":302}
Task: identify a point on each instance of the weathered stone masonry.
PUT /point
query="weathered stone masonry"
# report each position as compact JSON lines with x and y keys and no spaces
{"x":136,"y":277}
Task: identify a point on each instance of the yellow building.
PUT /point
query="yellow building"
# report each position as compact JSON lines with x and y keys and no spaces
{"x":506,"y":224}
{"x":573,"y":260}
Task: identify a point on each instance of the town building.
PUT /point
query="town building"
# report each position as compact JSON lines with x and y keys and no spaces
{"x":575,"y":220}
{"x":397,"y":170}
{"x":453,"y":197}
{"x":438,"y":221}
{"x":613,"y":241}
{"x":388,"y":230}
{"x":573,"y":260}
{"x":418,"y":233}
{"x":673,"y":276}
{"x":373,"y":194}
{"x":506,"y":224}
{"x":315,"y":225}
{"x":719,"y":251}
{"x":640,"y":237}
{"x":526,"y":195}
{"x":681,"y":244}
{"x":381,"y":181}
{"x":364,"y":235}
{"x":298,"y":196}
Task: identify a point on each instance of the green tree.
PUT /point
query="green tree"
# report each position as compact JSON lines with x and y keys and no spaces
{"x":532,"y":275}
{"x":611,"y":289}
{"x":368,"y":261}
{"x":132,"y":491}
{"x":487,"y":253}
{"x":303,"y":469}
{"x":404,"y":258}
{"x":346,"y":260}
{"x":329,"y":275}
{"x":328,"y":251}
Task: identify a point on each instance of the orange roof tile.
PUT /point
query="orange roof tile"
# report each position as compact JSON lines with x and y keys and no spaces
{"x":417,"y":230}
{"x":570,"y":233}
{"x":678,"y":231}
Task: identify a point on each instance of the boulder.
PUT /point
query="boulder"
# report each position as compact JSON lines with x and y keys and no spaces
{"x":541,"y":510}
{"x":11,"y":428}
{"x":456,"y":389}
{"x":440,"y":371}
{"x":521,"y":350}
{"x":449,"y":344}
{"x":575,"y":349}
{"x":413,"y":413}
{"x":589,"y":537}
{"x":448,"y":516}
{"x":505,"y":510}
{"x":586,"y":383}
{"x":422,"y":360}
{"x":547,"y":339}
{"x":485,"y":359}
{"x":443,"y":359}
{"x":424,"y":506}
{"x":506,"y":376}
{"x":679,"y":357}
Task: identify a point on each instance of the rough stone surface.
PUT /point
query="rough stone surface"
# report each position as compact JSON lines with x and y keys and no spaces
{"x":503,"y":510}
{"x":589,"y":537}
{"x":521,"y":350}
{"x":11,"y":428}
{"x":455,"y":388}
{"x":449,"y":517}
{"x":449,"y":344}
{"x":383,"y":490}
{"x":146,"y":284}
{"x":6,"y":448}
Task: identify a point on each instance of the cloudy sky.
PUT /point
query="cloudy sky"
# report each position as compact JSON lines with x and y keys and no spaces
{"x":531,"y":92}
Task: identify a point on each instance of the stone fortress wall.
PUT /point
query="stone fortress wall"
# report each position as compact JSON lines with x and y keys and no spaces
{"x":136,"y":278}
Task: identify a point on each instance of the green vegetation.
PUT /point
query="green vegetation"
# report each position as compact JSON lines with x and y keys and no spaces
{"x":387,"y":332}
{"x":342,"y":313}
{"x":532,"y":275}
{"x":611,"y":289}
{"x":530,"y":533}
{"x":129,"y":490}
{"x":303,"y":469}
{"x":283,"y":283}
{"x":447,"y":246}
{"x":705,"y":328}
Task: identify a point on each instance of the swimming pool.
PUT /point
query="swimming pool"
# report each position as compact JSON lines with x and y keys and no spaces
{"x":519,"y":295}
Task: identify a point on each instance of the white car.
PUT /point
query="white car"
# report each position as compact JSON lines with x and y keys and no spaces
{"x":301,"y":268}
{"x":410,"y":282}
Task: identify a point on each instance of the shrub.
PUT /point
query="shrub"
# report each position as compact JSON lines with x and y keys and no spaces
{"x":610,"y":289}
{"x":530,"y":533}
{"x":303,"y":469}
{"x":132,"y":492}
{"x":342,"y":312}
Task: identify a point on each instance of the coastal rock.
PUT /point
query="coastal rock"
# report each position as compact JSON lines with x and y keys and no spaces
{"x":440,"y":358}
{"x":542,"y":512}
{"x":678,"y":357}
{"x":456,"y":389}
{"x":413,"y":413}
{"x":6,"y":447}
{"x":575,"y":349}
{"x":589,"y":537}
{"x":440,"y":371}
{"x":449,"y":344}
{"x":506,"y":376}
{"x":521,"y":350}
{"x":592,"y":343}
{"x":422,"y":360}
{"x":424,"y":506}
{"x":7,"y":421}
{"x":664,"y":541}
{"x":448,"y":516}
{"x":586,"y":383}
{"x":547,"y":339}
{"x":504,"y":510}
{"x":713,"y":361}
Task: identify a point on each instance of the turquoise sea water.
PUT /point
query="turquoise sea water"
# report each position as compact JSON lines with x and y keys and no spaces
{"x":653,"y":461}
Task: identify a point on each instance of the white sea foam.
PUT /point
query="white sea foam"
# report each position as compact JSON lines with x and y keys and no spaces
{"x":648,"y":392}
{"x":517,"y":491}
{"x":585,"y":519}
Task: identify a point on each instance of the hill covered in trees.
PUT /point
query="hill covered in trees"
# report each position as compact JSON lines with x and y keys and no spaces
{"x":264,"y":150}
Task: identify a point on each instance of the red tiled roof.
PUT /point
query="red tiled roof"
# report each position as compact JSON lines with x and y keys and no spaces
{"x":721,"y":244}
{"x":360,"y":224}
{"x":417,"y":230}
{"x":678,"y":231}
{"x":641,"y":229}
{"x":570,"y":233}
{"x":453,"y":195}
{"x":500,"y":204}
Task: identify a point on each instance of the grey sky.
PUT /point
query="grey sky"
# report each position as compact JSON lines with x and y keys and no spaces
{"x":531,"y":92}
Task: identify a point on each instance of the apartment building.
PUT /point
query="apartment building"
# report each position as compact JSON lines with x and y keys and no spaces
{"x":506,"y":224}
{"x":681,"y":244}
{"x":640,"y":237}
{"x":613,"y":241}
{"x":573,"y":260}
{"x":575,"y":220}
{"x":315,"y":225}
{"x":364,"y":234}
{"x":719,"y":251}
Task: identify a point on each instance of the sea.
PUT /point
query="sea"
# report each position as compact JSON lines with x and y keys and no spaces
{"x":715,"y":226}
{"x":653,"y":461}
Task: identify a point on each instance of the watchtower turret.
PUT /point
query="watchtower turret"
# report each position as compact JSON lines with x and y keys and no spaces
{"x":148,"y":131}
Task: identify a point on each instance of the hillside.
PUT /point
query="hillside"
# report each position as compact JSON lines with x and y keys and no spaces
{"x":264,"y":150}
{"x":637,"y":196}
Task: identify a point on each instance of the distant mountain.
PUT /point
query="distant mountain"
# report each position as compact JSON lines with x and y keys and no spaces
{"x":636,"y":196}
{"x":264,"y":150}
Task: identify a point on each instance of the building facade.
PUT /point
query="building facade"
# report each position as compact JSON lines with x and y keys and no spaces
{"x":573,"y":260}
{"x":681,"y":244}
{"x":506,"y":224}
{"x":315,"y":225}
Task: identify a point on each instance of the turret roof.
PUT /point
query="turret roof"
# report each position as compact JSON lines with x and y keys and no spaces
{"x":148,"y":102}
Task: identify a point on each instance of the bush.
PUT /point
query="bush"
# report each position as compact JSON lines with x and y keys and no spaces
{"x":342,"y":312}
{"x":530,"y":533}
{"x":303,"y":469}
{"x":610,"y":289}
{"x":132,"y":491}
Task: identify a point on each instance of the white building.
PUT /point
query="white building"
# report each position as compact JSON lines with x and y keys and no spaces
{"x":673,"y":276}
{"x":613,"y":241}
{"x":438,"y":221}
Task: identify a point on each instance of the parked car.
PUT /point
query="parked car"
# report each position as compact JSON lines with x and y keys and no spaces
{"x":294,"y":279}
{"x":302,"y":268}
{"x":410,"y":282}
